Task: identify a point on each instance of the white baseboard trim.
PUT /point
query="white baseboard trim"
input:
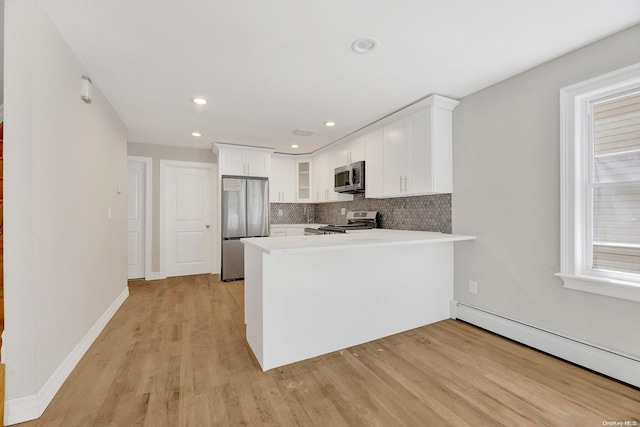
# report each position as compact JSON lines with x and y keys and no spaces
{"x":31,"y":407}
{"x":619,"y":366}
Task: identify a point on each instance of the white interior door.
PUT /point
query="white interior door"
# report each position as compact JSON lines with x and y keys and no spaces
{"x":188,"y":236}
{"x":136,"y":219}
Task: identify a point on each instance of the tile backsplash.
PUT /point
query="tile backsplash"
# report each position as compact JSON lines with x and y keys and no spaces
{"x":292,"y":213}
{"x":422,"y":213}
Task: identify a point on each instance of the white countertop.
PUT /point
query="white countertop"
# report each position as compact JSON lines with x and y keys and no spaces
{"x":358,"y":238}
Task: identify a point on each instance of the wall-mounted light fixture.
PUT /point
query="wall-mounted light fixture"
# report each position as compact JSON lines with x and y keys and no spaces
{"x":85,"y":89}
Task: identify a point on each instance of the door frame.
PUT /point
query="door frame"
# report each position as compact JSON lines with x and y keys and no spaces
{"x":213,"y":169}
{"x":147,"y":162}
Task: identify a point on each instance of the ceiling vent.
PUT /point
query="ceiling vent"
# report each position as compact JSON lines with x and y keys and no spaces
{"x":303,"y":132}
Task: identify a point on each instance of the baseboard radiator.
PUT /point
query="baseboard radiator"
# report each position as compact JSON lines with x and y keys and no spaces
{"x":619,"y":366}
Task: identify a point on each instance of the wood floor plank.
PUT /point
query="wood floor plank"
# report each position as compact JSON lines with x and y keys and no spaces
{"x":175,"y":355}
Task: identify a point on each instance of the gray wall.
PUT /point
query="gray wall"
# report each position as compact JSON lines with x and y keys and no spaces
{"x":507,"y":193}
{"x":157,"y":153}
{"x":65,"y":222}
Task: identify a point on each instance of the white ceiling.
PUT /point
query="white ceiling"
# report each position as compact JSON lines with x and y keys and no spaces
{"x":270,"y":67}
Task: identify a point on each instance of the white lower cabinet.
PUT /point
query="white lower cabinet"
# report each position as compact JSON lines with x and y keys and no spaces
{"x":281,"y":230}
{"x":277,"y":232}
{"x":294,"y":231}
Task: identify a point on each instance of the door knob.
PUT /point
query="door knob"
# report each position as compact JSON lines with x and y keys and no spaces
{"x":208,"y":226}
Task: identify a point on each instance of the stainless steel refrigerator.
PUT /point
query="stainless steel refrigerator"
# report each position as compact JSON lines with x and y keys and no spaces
{"x":245,"y":213}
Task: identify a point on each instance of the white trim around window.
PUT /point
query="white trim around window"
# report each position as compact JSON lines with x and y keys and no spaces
{"x":575,"y":102}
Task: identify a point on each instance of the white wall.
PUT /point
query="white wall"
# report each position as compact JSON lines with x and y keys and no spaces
{"x":507,"y":192}
{"x":65,"y":262}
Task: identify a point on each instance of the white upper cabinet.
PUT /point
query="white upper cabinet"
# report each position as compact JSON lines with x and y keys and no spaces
{"x":281,"y":181}
{"x":413,"y":154}
{"x":351,"y":151}
{"x":304,"y":180}
{"x":324,"y":164}
{"x":374,"y":164}
{"x":246,"y":161}
{"x":394,"y":170}
{"x":320,"y":176}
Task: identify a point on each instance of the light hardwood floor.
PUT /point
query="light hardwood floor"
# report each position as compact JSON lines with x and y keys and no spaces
{"x":175,"y":355}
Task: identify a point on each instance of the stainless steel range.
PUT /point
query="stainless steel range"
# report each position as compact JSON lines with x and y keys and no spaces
{"x":358,"y":220}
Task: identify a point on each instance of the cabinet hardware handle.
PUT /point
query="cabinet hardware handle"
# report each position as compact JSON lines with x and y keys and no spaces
{"x":405,"y":184}
{"x":401,"y":184}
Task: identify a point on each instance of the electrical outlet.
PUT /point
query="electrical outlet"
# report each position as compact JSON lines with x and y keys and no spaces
{"x":343,"y":211}
{"x":473,"y":287}
{"x":279,"y":212}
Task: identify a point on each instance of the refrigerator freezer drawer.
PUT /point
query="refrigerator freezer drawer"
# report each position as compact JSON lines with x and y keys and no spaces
{"x":232,"y":259}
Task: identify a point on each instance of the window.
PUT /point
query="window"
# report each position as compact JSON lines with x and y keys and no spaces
{"x":600,"y":206}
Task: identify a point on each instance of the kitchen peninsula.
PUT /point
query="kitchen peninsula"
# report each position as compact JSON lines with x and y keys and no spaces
{"x":311,"y":295}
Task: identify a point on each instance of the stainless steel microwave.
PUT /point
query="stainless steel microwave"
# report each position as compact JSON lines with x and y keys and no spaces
{"x":349,"y":178}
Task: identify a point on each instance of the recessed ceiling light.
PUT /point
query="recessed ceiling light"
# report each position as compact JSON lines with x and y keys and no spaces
{"x":294,"y":145}
{"x":196,"y":133}
{"x":329,"y":124}
{"x":200,"y":100}
{"x":364,"y":45}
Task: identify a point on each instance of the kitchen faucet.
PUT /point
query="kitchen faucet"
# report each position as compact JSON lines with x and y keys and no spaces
{"x":306,"y":214}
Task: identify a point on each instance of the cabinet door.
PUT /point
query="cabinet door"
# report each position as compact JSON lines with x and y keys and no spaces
{"x":358,"y":149}
{"x":303,"y":181}
{"x":418,"y":153}
{"x":351,"y":151}
{"x":344,"y":153}
{"x":275,"y":184}
{"x":287,"y":179}
{"x":232,"y":162}
{"x":395,"y":171}
{"x":374,"y":164}
{"x":295,"y":231}
{"x":257,"y":163}
{"x":321,"y":168}
{"x":277,"y":232}
{"x":281,"y":179}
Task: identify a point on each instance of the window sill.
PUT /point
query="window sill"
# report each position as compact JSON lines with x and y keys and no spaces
{"x":601,"y":286}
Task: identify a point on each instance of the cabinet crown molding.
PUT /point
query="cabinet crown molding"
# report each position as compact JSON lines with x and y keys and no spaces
{"x":219,"y":145}
{"x":438,"y":101}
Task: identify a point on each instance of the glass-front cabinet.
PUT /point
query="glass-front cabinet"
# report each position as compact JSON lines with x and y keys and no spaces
{"x":303,"y":180}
